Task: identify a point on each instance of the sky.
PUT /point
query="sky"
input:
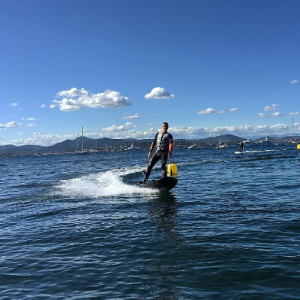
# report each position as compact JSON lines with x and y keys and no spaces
{"x":120,"y":68}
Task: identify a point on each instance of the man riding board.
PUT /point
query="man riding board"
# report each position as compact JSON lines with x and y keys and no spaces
{"x":164,"y":145}
{"x":241,"y":147}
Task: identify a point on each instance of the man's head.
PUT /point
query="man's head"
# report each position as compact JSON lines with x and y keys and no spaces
{"x":165,"y":127}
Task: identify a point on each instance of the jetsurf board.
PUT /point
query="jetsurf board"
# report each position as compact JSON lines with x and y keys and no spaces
{"x":238,"y":152}
{"x":163,"y":183}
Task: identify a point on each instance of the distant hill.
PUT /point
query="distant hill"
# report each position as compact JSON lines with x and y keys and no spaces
{"x":104,"y":144}
{"x":72,"y":145}
{"x":11,"y":149}
{"x":224,"y":139}
{"x":107,"y":144}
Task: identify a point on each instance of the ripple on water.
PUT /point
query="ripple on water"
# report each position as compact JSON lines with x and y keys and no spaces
{"x":77,"y":230}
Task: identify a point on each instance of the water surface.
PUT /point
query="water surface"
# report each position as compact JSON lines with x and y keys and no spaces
{"x":77,"y":227}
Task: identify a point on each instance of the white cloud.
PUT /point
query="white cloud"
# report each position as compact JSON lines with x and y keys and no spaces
{"x":213,"y":111}
{"x":159,"y":93}
{"x":207,"y":111}
{"x":43,"y":105}
{"x":279,"y":127}
{"x":260,"y":127}
{"x":114,"y":128}
{"x":52,"y":106}
{"x":106,"y":99}
{"x":14,"y":104}
{"x":135,"y":116}
{"x":31,"y":125}
{"x":8,"y":125}
{"x":21,"y":133}
{"x":270,"y":108}
{"x":31,"y":119}
{"x":86,"y":99}
{"x":277,"y":114}
{"x":262,"y":115}
{"x":294,"y":113}
{"x":73,"y":93}
{"x":68,"y":104}
{"x":293,"y":81}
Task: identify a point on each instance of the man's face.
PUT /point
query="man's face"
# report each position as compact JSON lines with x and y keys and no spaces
{"x":164,"y":128}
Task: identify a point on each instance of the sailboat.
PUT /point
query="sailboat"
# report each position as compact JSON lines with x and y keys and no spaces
{"x":82,"y":151}
{"x":220,"y":145}
{"x":294,"y":139}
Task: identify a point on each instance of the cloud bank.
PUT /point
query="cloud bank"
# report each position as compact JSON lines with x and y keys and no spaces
{"x":181,"y":132}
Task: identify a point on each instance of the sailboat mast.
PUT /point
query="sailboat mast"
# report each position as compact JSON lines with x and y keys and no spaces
{"x":293,"y":129}
{"x":82,"y":140}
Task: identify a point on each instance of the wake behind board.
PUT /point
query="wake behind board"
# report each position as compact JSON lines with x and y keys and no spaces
{"x":163,"y":183}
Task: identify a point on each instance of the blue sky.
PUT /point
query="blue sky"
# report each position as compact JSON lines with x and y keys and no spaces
{"x":121,"y":68}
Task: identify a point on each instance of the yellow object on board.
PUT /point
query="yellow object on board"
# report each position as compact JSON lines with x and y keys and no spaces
{"x":172,"y":170}
{"x":298,"y":146}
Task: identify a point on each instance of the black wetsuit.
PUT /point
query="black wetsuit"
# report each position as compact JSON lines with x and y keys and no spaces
{"x":241,"y":146}
{"x":161,"y":142}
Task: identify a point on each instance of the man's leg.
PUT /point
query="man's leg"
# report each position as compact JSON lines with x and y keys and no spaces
{"x":154,"y":160}
{"x":164,"y":161}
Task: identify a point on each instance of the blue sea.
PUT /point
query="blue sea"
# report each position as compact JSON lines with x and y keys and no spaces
{"x":77,"y":227}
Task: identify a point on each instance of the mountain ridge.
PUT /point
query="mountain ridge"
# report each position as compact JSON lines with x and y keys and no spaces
{"x":108,"y":144}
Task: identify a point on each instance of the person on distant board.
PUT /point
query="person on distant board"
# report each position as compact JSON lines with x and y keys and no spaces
{"x":241,"y":146}
{"x":164,"y":145}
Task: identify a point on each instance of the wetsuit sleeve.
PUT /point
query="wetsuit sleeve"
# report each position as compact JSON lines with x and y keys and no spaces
{"x":170,"y":143}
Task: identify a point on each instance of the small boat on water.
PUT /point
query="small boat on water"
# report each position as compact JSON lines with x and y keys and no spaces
{"x":132,"y":148}
{"x":265,"y":142}
{"x":220,"y":146}
{"x":194,"y":146}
